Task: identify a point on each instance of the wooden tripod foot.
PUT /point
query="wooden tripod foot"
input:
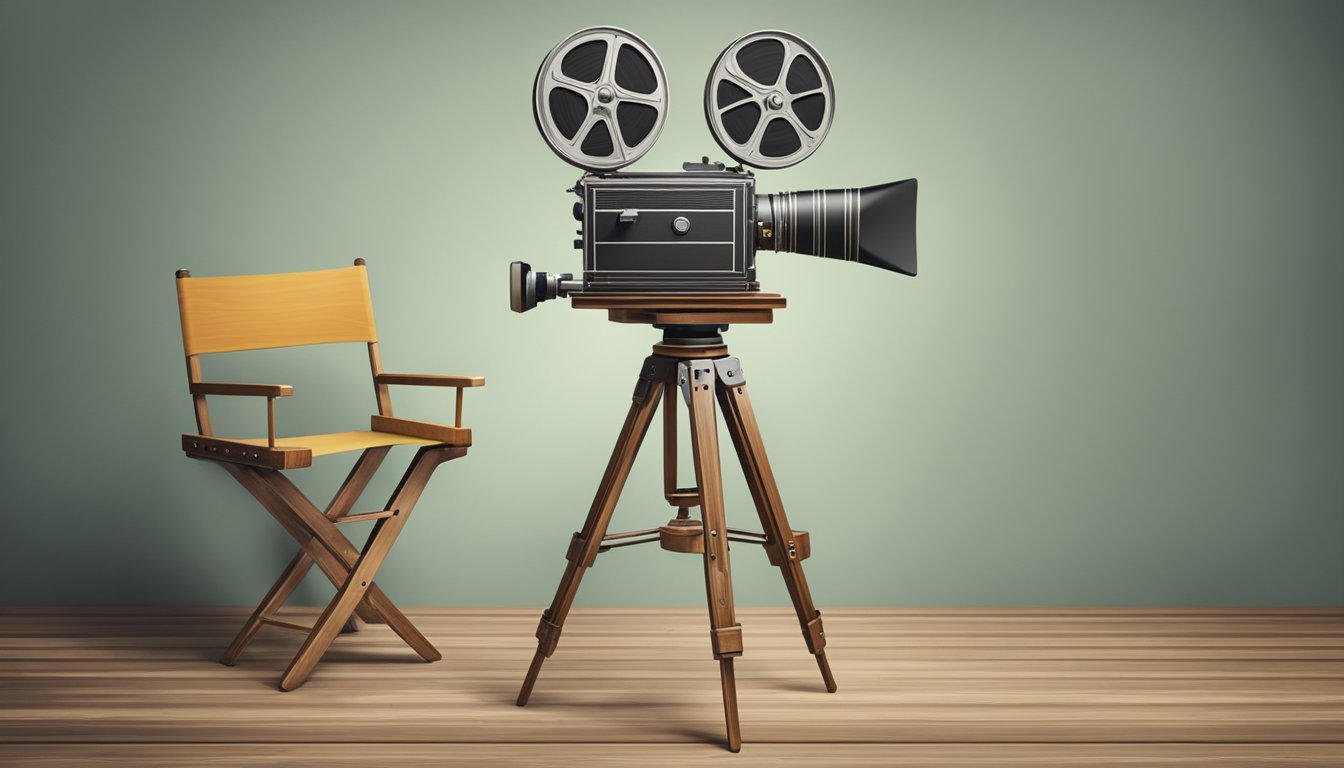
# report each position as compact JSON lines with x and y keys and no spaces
{"x":826,"y":675}
{"x":531,"y":679}
{"x":730,"y":704}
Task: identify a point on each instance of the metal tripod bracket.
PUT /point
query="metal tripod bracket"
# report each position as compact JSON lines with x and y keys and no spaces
{"x":730,"y":372}
{"x":655,"y":369}
{"x":692,"y":374}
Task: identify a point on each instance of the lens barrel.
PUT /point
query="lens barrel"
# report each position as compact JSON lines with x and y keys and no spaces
{"x":871,"y":225}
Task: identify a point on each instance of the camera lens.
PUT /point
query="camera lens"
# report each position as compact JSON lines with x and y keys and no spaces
{"x":872,"y":225}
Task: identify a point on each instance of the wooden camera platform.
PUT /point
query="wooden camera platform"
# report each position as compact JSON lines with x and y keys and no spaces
{"x":692,"y":361}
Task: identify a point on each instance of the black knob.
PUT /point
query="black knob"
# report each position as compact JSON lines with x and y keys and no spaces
{"x":578,"y":211}
{"x":578,"y":245}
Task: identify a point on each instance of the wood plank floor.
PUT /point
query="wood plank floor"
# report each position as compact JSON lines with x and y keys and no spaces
{"x":917,"y":687}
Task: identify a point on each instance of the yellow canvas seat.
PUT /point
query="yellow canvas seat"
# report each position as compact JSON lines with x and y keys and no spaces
{"x":246,"y":312}
{"x":341,"y":442}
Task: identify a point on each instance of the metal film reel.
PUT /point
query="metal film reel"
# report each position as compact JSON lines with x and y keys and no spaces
{"x":600,"y":98}
{"x":769,"y":99}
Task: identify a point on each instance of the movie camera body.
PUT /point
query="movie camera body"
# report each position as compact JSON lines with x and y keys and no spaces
{"x":600,"y":98}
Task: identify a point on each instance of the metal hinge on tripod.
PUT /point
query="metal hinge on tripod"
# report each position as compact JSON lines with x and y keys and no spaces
{"x":655,"y":369}
{"x":730,"y":371}
{"x":694,"y":374}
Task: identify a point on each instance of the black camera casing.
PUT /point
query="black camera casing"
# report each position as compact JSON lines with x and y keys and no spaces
{"x":691,"y":231}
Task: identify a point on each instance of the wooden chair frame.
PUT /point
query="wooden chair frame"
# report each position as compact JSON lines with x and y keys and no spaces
{"x":314,"y":308}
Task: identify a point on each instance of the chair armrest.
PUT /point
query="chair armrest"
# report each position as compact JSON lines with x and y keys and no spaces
{"x":429,"y":380}
{"x":268,"y":391}
{"x":256,"y":390}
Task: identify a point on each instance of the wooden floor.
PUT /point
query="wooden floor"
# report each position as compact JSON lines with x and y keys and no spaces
{"x":638,"y":686}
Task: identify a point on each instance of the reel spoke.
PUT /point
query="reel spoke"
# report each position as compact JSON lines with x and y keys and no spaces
{"x":584,"y":128}
{"x":803,"y":133}
{"x":639,"y":98}
{"x":609,"y":63}
{"x":791,"y":52}
{"x":756,"y":135}
{"x":616,"y":139}
{"x":574,"y":85}
{"x":735,"y":76}
{"x":735,"y":105}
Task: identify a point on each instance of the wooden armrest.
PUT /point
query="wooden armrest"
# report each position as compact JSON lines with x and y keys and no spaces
{"x":432,"y":380}
{"x":429,"y":380}
{"x":268,"y":391}
{"x":257,"y":390}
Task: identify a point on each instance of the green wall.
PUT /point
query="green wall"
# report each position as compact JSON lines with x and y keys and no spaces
{"x":1116,"y":381}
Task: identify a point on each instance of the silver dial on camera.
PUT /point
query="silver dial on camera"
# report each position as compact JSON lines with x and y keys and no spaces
{"x":769,"y":99}
{"x":600,"y":98}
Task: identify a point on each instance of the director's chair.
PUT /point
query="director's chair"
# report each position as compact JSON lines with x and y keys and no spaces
{"x":246,"y":312}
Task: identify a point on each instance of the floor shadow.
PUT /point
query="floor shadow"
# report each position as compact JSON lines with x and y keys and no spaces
{"x":791,"y":685}
{"x":701,"y":735}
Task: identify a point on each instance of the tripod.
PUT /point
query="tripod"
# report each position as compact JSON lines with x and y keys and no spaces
{"x":692,"y":362}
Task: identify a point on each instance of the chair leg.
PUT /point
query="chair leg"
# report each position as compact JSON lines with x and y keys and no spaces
{"x":324,"y":545}
{"x":259,"y":483}
{"x":328,"y":547}
{"x":403,"y":498}
{"x":341,"y":503}
{"x":360,"y":581}
{"x":342,"y":606}
{"x":344,"y":500}
{"x":294,"y":573}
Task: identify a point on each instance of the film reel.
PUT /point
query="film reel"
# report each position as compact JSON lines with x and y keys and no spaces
{"x":769,"y":99}
{"x":600,"y":98}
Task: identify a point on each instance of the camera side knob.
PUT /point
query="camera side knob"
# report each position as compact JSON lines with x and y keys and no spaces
{"x":681,"y":225}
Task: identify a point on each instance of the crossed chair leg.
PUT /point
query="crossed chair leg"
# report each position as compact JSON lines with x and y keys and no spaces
{"x":350,"y":570}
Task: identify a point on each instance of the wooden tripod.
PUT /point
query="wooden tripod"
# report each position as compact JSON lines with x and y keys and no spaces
{"x":692,"y":362}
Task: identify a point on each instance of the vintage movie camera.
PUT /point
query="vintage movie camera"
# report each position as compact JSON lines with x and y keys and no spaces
{"x":600,"y":100}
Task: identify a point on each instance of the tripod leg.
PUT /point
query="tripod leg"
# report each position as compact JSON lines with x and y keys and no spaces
{"x":725,"y":633}
{"x":583,"y":548}
{"x":746,"y":437}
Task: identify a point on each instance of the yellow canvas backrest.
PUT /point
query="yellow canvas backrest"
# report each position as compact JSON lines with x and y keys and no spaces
{"x":230,"y":314}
